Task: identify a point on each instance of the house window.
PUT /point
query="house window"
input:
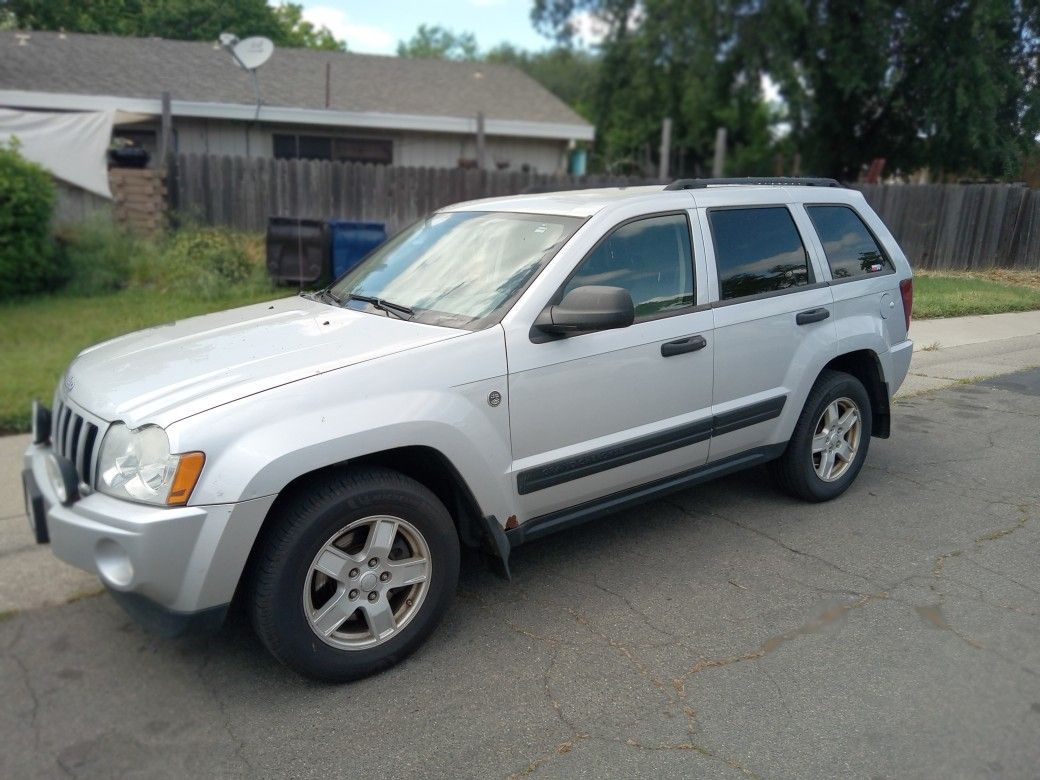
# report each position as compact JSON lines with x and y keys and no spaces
{"x":319,"y":147}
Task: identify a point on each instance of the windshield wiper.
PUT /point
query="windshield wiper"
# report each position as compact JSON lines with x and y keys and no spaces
{"x":379,"y":303}
{"x":324,"y":295}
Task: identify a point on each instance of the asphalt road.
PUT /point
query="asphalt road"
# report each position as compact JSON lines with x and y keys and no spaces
{"x":725,"y":632}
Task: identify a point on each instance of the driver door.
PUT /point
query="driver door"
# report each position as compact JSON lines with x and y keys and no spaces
{"x":596,"y":414}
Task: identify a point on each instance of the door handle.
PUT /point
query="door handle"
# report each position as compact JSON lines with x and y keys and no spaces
{"x":812,"y":315}
{"x":682,"y":346}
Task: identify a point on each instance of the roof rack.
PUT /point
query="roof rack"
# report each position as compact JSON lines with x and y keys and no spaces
{"x":797,"y":181}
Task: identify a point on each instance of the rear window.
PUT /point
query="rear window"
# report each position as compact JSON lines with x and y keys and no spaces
{"x":851,"y":249}
{"x":757,"y":250}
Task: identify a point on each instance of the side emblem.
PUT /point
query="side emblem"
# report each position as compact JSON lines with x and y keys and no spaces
{"x":494,"y":398}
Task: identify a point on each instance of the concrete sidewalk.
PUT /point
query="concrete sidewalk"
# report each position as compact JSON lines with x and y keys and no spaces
{"x":963,"y":349}
{"x":947,"y":352}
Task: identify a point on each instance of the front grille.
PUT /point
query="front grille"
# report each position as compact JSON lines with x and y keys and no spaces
{"x":75,"y":437}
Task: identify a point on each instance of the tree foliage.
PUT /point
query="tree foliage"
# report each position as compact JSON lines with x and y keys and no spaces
{"x":948,"y":86}
{"x":570,"y":74}
{"x":665,"y":59}
{"x":26,"y":205}
{"x":177,"y":19}
{"x":433,"y":42}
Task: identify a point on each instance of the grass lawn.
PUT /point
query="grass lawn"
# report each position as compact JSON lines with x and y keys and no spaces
{"x":38,"y":338}
{"x":953,"y":294}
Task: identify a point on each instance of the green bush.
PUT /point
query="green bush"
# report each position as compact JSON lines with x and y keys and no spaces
{"x":204,"y":262}
{"x":98,"y":257}
{"x":26,"y":205}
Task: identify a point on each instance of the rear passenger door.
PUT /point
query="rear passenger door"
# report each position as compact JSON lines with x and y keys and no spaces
{"x":773,"y":323}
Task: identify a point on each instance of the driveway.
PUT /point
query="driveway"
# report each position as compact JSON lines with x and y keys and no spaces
{"x":725,"y":632}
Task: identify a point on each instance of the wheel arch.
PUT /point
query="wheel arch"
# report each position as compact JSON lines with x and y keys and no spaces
{"x":426,"y":465}
{"x":865,"y":365}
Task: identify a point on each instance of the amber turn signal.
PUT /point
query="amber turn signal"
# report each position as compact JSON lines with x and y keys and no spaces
{"x":188,"y":470}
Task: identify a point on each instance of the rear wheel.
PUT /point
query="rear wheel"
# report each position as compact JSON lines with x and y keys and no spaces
{"x":830,"y":440}
{"x":355,"y":575}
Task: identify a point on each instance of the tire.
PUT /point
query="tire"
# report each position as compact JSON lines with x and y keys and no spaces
{"x":798,"y":470}
{"x":340,"y":559}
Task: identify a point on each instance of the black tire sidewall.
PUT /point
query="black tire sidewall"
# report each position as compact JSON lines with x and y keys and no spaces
{"x":837,"y":386}
{"x":296,"y":643}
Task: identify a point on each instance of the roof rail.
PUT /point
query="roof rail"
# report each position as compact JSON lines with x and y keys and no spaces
{"x":796,"y":181}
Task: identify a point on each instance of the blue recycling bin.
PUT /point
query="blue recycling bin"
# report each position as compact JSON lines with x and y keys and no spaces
{"x":351,"y":241}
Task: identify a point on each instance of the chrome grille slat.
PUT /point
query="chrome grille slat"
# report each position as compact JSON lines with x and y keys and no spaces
{"x":64,"y":433}
{"x":72,"y":443}
{"x":88,"y":460}
{"x":77,"y":435}
{"x":79,"y":442}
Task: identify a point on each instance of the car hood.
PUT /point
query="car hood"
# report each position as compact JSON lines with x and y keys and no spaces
{"x":169,"y":372}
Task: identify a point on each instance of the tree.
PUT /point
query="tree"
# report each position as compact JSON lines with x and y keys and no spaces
{"x":570,"y":74}
{"x":948,"y":86}
{"x":300,"y":33}
{"x":974,"y":104}
{"x":434,"y":42}
{"x":666,"y":59}
{"x":176,"y":19}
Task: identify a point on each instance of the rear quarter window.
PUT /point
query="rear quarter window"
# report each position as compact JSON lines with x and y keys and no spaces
{"x":850,"y":247}
{"x":757,"y":250}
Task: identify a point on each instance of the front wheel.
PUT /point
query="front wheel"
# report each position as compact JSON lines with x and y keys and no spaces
{"x":830,"y":440}
{"x":354,"y":575}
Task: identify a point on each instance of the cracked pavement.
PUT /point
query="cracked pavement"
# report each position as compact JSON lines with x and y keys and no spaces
{"x":726,"y":631}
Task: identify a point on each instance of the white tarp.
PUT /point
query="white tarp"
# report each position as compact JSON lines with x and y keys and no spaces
{"x":72,"y":146}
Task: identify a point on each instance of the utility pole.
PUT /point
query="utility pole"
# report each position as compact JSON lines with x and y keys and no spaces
{"x":166,"y":139}
{"x":718,"y":167}
{"x":480,"y":140}
{"x":666,"y":148}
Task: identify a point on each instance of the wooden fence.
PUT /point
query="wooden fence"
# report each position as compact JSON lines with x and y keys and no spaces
{"x":243,"y":192}
{"x":962,"y":226}
{"x":939,"y":226}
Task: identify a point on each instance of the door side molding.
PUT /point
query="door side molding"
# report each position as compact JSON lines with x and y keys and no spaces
{"x":588,"y":463}
{"x":566,"y":518}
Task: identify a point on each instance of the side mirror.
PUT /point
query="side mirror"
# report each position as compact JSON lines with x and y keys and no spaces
{"x":586,"y":310}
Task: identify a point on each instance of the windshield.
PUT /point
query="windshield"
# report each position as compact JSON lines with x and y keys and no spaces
{"x":461,"y":269}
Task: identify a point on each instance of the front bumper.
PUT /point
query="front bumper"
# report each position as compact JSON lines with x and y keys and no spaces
{"x":171,"y":568}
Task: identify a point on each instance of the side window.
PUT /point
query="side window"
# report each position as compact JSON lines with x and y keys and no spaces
{"x":651,"y":258}
{"x":757,"y":250}
{"x":851,"y":249}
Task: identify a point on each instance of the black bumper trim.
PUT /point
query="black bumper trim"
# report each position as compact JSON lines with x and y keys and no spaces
{"x":164,"y":622}
{"x":35,"y":507}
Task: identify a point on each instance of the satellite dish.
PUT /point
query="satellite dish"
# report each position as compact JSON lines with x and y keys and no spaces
{"x":253,"y":52}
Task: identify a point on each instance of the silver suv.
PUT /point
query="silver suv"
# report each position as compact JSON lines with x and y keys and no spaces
{"x":500,"y":370}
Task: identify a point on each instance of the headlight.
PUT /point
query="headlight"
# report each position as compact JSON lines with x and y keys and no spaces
{"x":137,"y":465}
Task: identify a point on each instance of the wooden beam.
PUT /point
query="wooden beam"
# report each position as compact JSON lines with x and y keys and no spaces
{"x":166,"y":139}
{"x":480,"y":140}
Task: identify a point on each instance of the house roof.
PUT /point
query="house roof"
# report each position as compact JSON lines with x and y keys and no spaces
{"x":294,"y":83}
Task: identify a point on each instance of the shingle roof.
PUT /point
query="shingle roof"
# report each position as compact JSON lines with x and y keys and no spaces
{"x":293,"y":78}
